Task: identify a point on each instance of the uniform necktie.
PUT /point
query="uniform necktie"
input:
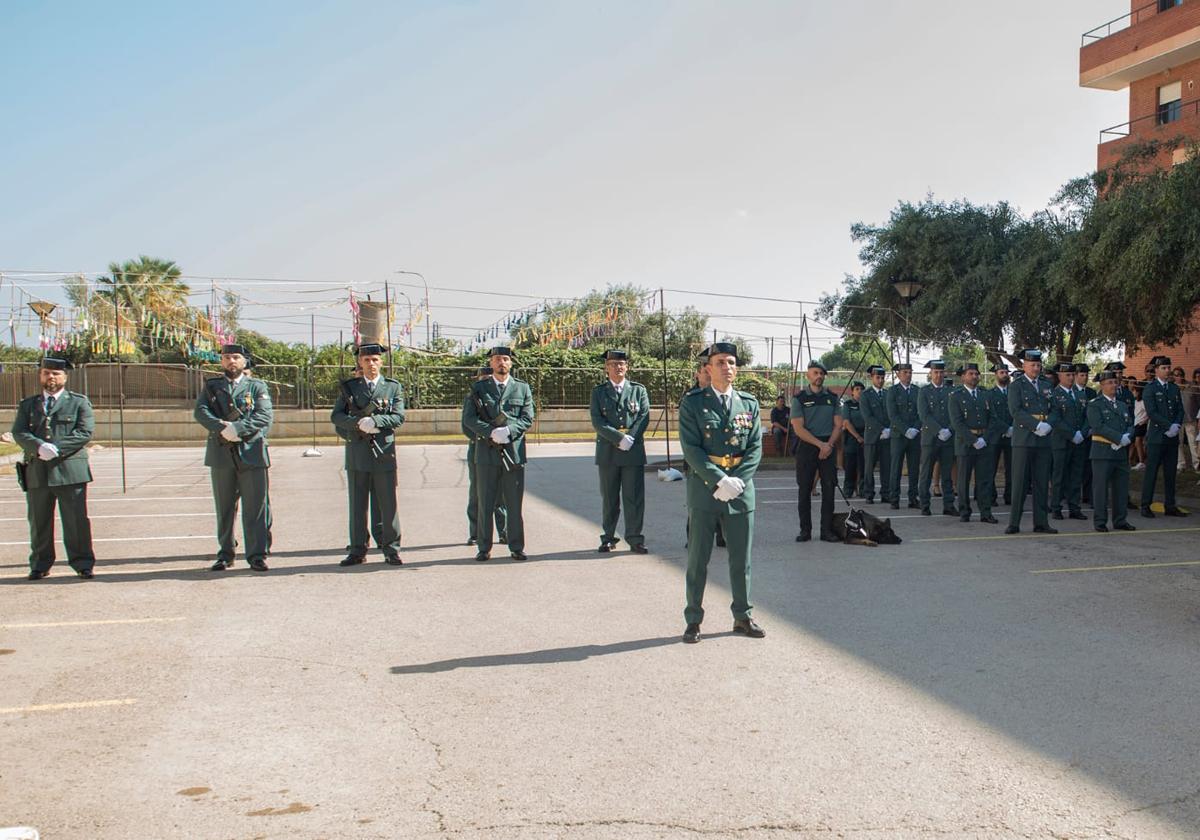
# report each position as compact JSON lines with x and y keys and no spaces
{"x":370,"y":387}
{"x":725,"y":402}
{"x":49,"y":404}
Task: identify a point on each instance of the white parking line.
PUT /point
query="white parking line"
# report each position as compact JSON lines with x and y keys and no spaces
{"x":129,"y":539}
{"x":124,"y":499}
{"x":120,"y":516}
{"x":91,"y":623}
{"x":58,"y":707}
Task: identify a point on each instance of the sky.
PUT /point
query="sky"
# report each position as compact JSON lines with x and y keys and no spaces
{"x":535,"y":149}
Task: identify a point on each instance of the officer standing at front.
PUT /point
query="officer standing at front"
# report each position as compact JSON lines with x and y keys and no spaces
{"x":1111,"y":423}
{"x":937,"y":438}
{"x":1068,"y":449}
{"x":998,"y":397}
{"x":499,"y":411}
{"x":854,"y":426}
{"x":620,"y":413}
{"x":1164,"y":407}
{"x":720,"y":431}
{"x":236,"y":411}
{"x":876,"y":434}
{"x":976,"y":431}
{"x":1034,"y":417}
{"x":368,"y":410}
{"x":1087,"y":394}
{"x":53,"y":428}
{"x":472,"y":494}
{"x":905,"y":425}
{"x":818,"y":427}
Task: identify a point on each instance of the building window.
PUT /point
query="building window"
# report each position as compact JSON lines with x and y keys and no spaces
{"x":1169,"y":100}
{"x":1163,"y":5}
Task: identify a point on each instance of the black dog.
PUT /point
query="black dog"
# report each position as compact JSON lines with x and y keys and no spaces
{"x":861,"y":528}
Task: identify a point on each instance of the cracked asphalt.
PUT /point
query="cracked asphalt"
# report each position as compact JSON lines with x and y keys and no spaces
{"x":1000,"y":687}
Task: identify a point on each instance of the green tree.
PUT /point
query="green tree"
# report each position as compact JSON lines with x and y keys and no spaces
{"x":144,"y":286}
{"x":857,"y":353}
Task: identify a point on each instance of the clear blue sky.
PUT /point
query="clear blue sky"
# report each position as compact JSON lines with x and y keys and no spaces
{"x":543,"y":148}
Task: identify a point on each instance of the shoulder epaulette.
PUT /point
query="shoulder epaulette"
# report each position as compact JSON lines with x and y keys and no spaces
{"x":746,"y":395}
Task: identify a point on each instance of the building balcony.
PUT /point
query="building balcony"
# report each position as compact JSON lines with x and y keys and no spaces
{"x":1148,"y":40}
{"x":1169,"y":122}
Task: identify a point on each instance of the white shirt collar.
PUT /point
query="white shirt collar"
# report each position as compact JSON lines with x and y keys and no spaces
{"x":500,"y":384}
{"x":728,"y":394}
{"x":1162,"y":382}
{"x":374,"y":381}
{"x":1066,"y":388}
{"x":233,"y":382}
{"x":618,"y":385}
{"x":47,"y":395}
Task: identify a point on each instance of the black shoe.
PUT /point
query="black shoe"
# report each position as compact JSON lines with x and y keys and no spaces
{"x":502,"y":540}
{"x":1056,"y":515}
{"x":86,"y":574}
{"x":950,"y":511}
{"x":1008,"y":501}
{"x":483,"y":557}
{"x":1174,"y":511}
{"x":989,"y":519}
{"x":1125,"y":527}
{"x":895,"y":506}
{"x":965,"y":517}
{"x":220,"y":566}
{"x":1077,"y":514}
{"x":1044,"y":529}
{"x":519,"y":556}
{"x":803,"y":537}
{"x":37,"y":574}
{"x":748,"y":627}
{"x":691,"y":634}
{"x":1146,"y":512}
{"x":639,"y":548}
{"x":926,"y":512}
{"x":830,"y":538}
{"x":1013,"y":529}
{"x":720,"y":541}
{"x":353,"y":560}
{"x":258,"y":565}
{"x":914,"y":505}
{"x":868,"y":501}
{"x":606,"y":545}
{"x":470,"y":541}
{"x":1103,"y":529}
{"x":393,"y":560}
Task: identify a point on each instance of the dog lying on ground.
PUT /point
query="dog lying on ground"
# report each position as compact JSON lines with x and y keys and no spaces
{"x":857,"y":527}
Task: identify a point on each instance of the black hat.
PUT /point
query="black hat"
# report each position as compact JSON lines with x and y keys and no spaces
{"x":876,"y":369}
{"x":813,"y":363}
{"x":968,"y":366}
{"x":1160,"y":360}
{"x":856,"y":384}
{"x":935,"y":364}
{"x":719,"y":347}
{"x":614,"y":356}
{"x":1115,"y":366}
{"x":1082,"y":367}
{"x":958,"y":371}
{"x":370,"y":350}
{"x":902,"y":366}
{"x":999,"y":366}
{"x":1064,"y":367}
{"x":1107,"y":374}
{"x":240,"y":349}
{"x":1030,"y":354}
{"x":502,"y":351}
{"x":51,"y":363}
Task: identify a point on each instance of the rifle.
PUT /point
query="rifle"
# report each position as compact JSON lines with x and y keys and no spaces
{"x":496,"y":422}
{"x":22,"y":466}
{"x":359,"y":412}
{"x":221,"y":401}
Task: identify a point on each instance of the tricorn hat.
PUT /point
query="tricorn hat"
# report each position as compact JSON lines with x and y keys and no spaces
{"x":1160,"y":360}
{"x":614,"y":356}
{"x":1064,"y":367}
{"x":813,"y":363}
{"x":1107,"y":374}
{"x":936,"y":364}
{"x":51,"y":363}
{"x":718,"y":348}
{"x":968,"y":366}
{"x":370,"y":350}
{"x":876,"y":369}
{"x":502,"y":351}
{"x":1115,"y":366}
{"x":902,"y":366}
{"x":1030,"y":354}
{"x":999,"y":366}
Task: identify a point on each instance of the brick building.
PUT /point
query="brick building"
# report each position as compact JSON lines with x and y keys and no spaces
{"x":1154,"y":51}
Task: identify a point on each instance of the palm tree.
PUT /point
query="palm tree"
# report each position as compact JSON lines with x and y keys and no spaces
{"x":145,"y":285}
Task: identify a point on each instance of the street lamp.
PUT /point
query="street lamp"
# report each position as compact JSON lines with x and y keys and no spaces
{"x":909,"y":288}
{"x":410,"y":307}
{"x":428,"y":321}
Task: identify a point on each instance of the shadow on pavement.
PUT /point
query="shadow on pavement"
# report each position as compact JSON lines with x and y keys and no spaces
{"x":577,"y":653}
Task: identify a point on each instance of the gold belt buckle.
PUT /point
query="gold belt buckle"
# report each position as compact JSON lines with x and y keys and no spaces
{"x":622,"y":430}
{"x":725,"y":461}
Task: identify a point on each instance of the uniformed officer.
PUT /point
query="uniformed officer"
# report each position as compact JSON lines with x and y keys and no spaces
{"x":1068,"y":450}
{"x":854,"y":425}
{"x":976,"y":430}
{"x":1034,"y":417}
{"x":876,"y":435}
{"x":1111,"y":423}
{"x":818,"y":427}
{"x":53,"y":428}
{"x":620,"y":412}
{"x":1124,"y":392}
{"x":369,"y":409}
{"x":1164,"y":408}
{"x":701,"y":381}
{"x":499,"y":411}
{"x":501,"y":517}
{"x":937,"y":438}
{"x":720,"y":431}
{"x":905,"y":424}
{"x":998,"y":397}
{"x":236,"y":410}
{"x":1087,"y":394}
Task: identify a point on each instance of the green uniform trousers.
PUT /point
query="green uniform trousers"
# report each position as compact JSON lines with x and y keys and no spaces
{"x":1165,"y":455}
{"x":250,"y":485}
{"x":501,"y":514}
{"x":904,"y":451}
{"x":1066,"y":482}
{"x":1030,"y":463}
{"x":1110,"y":490}
{"x":877,"y":453}
{"x":494,"y":486}
{"x":623,"y":484}
{"x":943,"y":454}
{"x":370,"y":492}
{"x":981,"y":462}
{"x":1002,"y":455}
{"x":739,"y":532}
{"x":77,"y":528}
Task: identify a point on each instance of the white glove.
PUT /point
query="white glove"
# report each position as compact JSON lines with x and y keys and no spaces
{"x":1077,"y":439}
{"x":367,"y":425}
{"x":1008,"y":434}
{"x":1125,"y":441}
{"x":230,"y":433}
{"x":944,"y":435}
{"x":47,"y":451}
{"x":980,"y":443}
{"x":626,"y":443}
{"x":733,"y":487}
{"x":912,"y":433}
{"x":1116,"y":447}
{"x":1043,"y":428}
{"x":1174,"y":430}
{"x":886,"y":434}
{"x":721,"y":494}
{"x":501,"y":434}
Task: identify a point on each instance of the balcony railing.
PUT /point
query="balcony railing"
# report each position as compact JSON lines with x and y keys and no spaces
{"x":1123,"y":22}
{"x":1173,"y":114}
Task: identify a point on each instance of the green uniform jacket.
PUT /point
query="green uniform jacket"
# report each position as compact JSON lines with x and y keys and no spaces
{"x":517,"y":407}
{"x":1109,"y":422}
{"x":1025,"y":400}
{"x":1164,"y":406}
{"x":1072,"y":418}
{"x":612,"y":420}
{"x":933,"y":409}
{"x":705,"y":429}
{"x":71,"y":426}
{"x":853,"y":414}
{"x":253,"y":399}
{"x":388,"y":397}
{"x":1127,"y":396}
{"x":1000,"y":410}
{"x":902,"y":409}
{"x":973,"y":417}
{"x":874,"y":410}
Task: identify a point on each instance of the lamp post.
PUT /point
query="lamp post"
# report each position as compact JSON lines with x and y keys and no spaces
{"x":428,"y":321}
{"x":410,"y":308}
{"x":909,"y":288}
